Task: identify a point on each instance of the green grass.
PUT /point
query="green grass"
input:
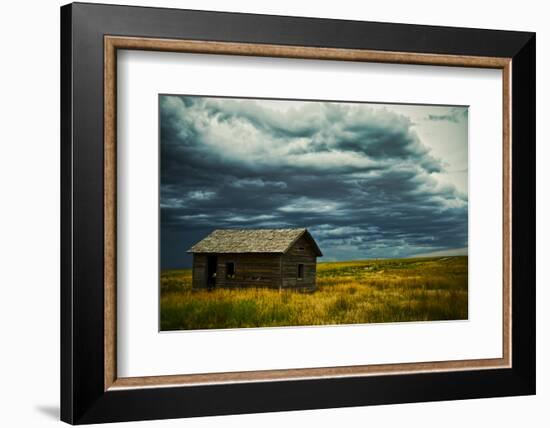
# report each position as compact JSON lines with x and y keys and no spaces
{"x":366,"y":291}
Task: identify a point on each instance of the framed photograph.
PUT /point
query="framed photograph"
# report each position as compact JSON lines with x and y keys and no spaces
{"x":266,"y":213}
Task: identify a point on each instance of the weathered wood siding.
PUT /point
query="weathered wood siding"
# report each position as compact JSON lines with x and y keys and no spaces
{"x":251,"y":270}
{"x":301,"y":252}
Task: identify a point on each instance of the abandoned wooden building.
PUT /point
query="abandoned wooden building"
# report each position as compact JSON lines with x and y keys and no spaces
{"x":275,"y":258}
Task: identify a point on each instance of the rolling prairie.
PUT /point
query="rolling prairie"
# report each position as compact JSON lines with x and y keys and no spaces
{"x":352,"y":292}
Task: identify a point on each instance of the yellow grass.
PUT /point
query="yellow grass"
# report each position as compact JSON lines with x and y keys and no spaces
{"x":366,"y":291}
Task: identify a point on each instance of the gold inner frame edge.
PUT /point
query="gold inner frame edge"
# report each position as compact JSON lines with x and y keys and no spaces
{"x":113,"y":43}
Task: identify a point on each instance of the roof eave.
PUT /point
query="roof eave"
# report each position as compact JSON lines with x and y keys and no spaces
{"x":234,"y":252}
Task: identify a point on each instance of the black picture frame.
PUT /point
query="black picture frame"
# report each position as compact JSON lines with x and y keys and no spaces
{"x":83,"y":398}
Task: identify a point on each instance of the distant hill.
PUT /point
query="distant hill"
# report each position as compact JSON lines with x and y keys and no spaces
{"x":443,"y":253}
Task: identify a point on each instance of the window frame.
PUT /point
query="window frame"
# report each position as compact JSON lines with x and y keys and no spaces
{"x":227,"y":275}
{"x":300,"y":272}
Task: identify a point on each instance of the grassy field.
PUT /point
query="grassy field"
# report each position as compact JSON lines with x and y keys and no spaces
{"x":367,"y":291}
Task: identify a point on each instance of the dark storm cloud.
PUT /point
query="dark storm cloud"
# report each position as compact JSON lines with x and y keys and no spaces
{"x":358,"y":178}
{"x":455,"y":115}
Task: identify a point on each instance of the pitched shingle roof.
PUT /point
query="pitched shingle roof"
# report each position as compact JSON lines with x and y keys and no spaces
{"x":251,"y":241}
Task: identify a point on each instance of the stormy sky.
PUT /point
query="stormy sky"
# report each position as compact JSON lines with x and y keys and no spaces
{"x":367,"y":180}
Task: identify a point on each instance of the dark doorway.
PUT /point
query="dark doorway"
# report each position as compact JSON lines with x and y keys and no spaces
{"x":211,"y":271}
